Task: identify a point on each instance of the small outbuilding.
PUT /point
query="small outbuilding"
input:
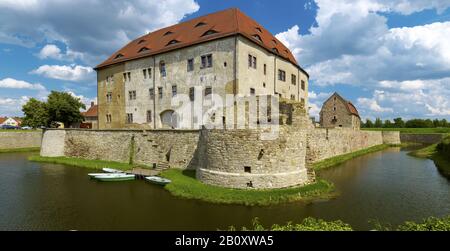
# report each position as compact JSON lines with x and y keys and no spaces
{"x":339,"y":112}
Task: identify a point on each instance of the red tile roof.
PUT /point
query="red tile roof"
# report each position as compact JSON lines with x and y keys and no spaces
{"x":352,"y":109}
{"x":2,"y":120}
{"x":206,"y":28}
{"x":91,"y":112}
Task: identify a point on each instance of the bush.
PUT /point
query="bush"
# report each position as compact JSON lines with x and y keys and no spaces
{"x":444,"y":147}
{"x":429,"y":224}
{"x":308,"y":224}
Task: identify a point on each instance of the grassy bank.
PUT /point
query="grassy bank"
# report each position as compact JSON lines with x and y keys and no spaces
{"x":185,"y":185}
{"x":312,"y":224}
{"x":18,"y":150}
{"x":412,"y":130}
{"x":438,"y":153}
{"x":331,"y":162}
{"x":93,"y":164}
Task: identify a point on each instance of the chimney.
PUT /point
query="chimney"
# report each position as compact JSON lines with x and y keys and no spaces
{"x":92,"y":103}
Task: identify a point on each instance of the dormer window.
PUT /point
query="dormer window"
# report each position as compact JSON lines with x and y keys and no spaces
{"x":200,"y":24}
{"x":144,"y":49}
{"x":259,"y":29}
{"x":210,"y":32}
{"x":275,"y":50}
{"x":274,"y":41}
{"x":141,"y":41}
{"x":257,"y":37}
{"x":118,"y":56}
{"x":173,"y":42}
{"x":168,"y":33}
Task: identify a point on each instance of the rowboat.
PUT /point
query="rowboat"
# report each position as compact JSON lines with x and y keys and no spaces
{"x":92,"y":175}
{"x":115,"y":177}
{"x":111,"y":170}
{"x":158,"y":180}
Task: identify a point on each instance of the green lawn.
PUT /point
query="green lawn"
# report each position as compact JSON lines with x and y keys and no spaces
{"x":93,"y":164}
{"x":15,"y":150}
{"x":431,"y":152}
{"x":334,"y":161}
{"x":411,"y":130}
{"x":185,"y":185}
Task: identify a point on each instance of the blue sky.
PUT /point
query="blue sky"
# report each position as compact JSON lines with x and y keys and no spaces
{"x":390,"y":58}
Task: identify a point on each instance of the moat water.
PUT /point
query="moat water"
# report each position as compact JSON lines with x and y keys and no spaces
{"x":388,"y":186}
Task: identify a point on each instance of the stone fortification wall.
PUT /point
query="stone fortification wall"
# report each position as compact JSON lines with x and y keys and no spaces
{"x":12,"y":140}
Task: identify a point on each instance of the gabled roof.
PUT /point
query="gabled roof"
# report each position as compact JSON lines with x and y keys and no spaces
{"x":3,"y":119}
{"x":206,"y":28}
{"x":350,"y":107}
{"x":91,"y":112}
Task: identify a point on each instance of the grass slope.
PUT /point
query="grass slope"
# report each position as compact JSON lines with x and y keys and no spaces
{"x":93,"y":164}
{"x":184,"y":184}
{"x":17,"y":150}
{"x":431,"y":152}
{"x":334,"y":161}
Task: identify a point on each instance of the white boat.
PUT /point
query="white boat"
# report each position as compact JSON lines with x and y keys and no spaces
{"x":158,"y":180}
{"x":111,"y":170}
{"x":115,"y":177}
{"x":92,"y":175}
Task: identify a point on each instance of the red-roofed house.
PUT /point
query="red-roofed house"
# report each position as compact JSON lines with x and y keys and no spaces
{"x":90,"y":117}
{"x":223,"y":53}
{"x":338,"y":112}
{"x":10,"y":121}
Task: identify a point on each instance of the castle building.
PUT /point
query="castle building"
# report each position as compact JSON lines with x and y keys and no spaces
{"x":221,"y":53}
{"x":338,"y":112}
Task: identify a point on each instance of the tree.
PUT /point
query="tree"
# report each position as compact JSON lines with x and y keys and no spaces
{"x":65,"y":108}
{"x":399,"y":123}
{"x":388,"y":124}
{"x":378,"y":123}
{"x":36,"y":114}
{"x":369,"y":123}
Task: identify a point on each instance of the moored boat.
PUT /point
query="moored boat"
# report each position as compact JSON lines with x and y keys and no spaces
{"x":92,"y":175}
{"x":111,"y":170}
{"x":115,"y":177}
{"x":158,"y":180}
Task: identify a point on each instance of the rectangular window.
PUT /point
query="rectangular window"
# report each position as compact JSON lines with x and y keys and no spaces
{"x":265,"y":69}
{"x":152,"y":93}
{"x":192,"y":94}
{"x":247,"y":169}
{"x":174,"y":90}
{"x":190,"y":64}
{"x":264,"y":85}
{"x":162,"y":69}
{"x":149,"y":116}
{"x":292,"y":97}
{"x":207,"y":61}
{"x":252,"y":91}
{"x":124,"y":77}
{"x":149,"y":70}
{"x":303,"y":85}
{"x":303,"y":101}
{"x":129,"y":76}
{"x":129,"y":118}
{"x":251,"y":61}
{"x":293,"y":79}
{"x":208,"y":91}
{"x":145,"y":73}
{"x":108,"y":118}
{"x":109,"y":97}
{"x":160,"y":92}
{"x":132,"y":95}
{"x":282,"y":75}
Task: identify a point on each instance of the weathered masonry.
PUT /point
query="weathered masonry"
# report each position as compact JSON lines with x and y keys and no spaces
{"x":222,"y":53}
{"x":14,"y":140}
{"x":229,"y":158}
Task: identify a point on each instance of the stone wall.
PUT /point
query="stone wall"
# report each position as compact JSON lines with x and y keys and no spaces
{"x":326,"y":143}
{"x":11,"y":140}
{"x":391,"y":138}
{"x":241,"y":159}
{"x":430,"y":138}
{"x":174,"y":148}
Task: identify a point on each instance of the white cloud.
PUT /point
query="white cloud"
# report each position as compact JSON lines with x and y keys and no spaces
{"x":11,"y":83}
{"x":85,"y":100}
{"x":94,"y":28}
{"x":54,"y":52}
{"x":65,"y":72}
{"x":373,"y":105}
{"x":12,"y":106}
